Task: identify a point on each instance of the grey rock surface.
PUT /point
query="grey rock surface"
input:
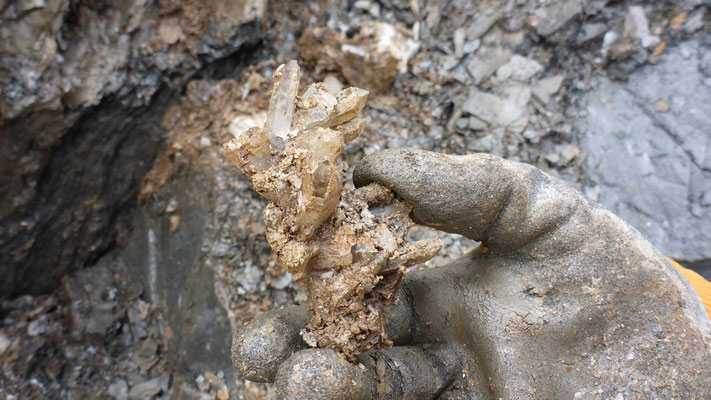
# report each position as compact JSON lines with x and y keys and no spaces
{"x":176,"y":279}
{"x":648,"y":147}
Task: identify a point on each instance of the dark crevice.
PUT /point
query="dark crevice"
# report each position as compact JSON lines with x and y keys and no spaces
{"x":232,"y":65}
{"x":86,"y":191}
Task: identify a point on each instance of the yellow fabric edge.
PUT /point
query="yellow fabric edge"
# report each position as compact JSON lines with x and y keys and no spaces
{"x":702,"y":286}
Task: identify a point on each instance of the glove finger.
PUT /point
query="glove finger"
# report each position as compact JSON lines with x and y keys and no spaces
{"x":486,"y":198}
{"x":259,"y":347}
{"x":414,"y":372}
{"x":407,"y":372}
{"x":321,"y":374}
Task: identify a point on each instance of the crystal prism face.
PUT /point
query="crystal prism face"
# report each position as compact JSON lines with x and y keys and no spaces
{"x":348,"y":245}
{"x":282,"y":103}
{"x":294,"y":160}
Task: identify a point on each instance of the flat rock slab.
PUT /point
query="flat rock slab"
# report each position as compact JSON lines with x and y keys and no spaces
{"x":648,"y":146}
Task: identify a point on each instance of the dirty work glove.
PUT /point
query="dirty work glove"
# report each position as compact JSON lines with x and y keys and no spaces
{"x":565,"y":301}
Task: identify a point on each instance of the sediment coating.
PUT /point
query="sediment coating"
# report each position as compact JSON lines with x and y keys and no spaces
{"x":347,"y":245}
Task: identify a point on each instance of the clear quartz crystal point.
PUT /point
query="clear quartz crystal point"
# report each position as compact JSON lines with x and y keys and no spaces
{"x":282,"y":103}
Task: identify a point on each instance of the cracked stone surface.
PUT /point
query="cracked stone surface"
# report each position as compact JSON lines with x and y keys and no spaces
{"x":648,"y":147}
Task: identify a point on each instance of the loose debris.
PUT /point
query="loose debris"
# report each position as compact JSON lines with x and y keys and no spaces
{"x":350,"y":249}
{"x":371,"y":59}
{"x":95,"y":337}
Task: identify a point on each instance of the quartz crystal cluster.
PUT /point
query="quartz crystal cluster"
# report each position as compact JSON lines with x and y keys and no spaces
{"x":347,"y":246}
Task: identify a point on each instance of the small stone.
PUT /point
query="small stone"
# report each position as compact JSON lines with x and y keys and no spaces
{"x":489,"y":143}
{"x":593,"y":192}
{"x":174,"y":223}
{"x":282,"y":282}
{"x":636,"y":25}
{"x":520,"y":68}
{"x":557,"y":15}
{"x":169,"y":31}
{"x":476,"y":124}
{"x":486,"y":61}
{"x":482,"y":23}
{"x":458,"y":37}
{"x":552,"y":158}
{"x":37,"y":327}
{"x":518,"y":125}
{"x":172,"y":205}
{"x":205,"y":142}
{"x":462,"y":123}
{"x":568,"y":153}
{"x":223,"y":393}
{"x":372,"y":8}
{"x":607,"y":41}
{"x":249,"y":278}
{"x":332,"y":84}
{"x":695,"y":20}
{"x":532,"y":135}
{"x":119,"y":390}
{"x":242,"y":123}
{"x":547,"y":87}
{"x":4,"y":342}
{"x":26,"y":5}
{"x":202,"y":383}
{"x":524,"y":68}
{"x":495,"y":110}
{"x":471,"y":46}
{"x":447,"y":63}
{"x":590,"y":31}
{"x":101,"y":318}
{"x":661,"y":106}
{"x":504,"y":72}
{"x":146,"y":355}
{"x":686,"y":52}
{"x":148,"y":389}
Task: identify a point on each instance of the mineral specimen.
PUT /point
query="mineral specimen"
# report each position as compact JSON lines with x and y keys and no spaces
{"x":348,"y":246}
{"x":372,"y":58}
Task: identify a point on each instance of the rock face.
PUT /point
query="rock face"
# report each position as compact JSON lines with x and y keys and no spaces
{"x":178,"y":280}
{"x":84,"y":86}
{"x":648,"y":148}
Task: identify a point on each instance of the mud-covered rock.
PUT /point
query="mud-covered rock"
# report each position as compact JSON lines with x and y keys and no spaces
{"x":348,"y":245}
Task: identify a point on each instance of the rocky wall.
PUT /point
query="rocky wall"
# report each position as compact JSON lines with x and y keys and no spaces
{"x":83,"y":87}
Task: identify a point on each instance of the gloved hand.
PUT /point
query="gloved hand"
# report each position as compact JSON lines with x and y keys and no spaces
{"x":565,"y":301}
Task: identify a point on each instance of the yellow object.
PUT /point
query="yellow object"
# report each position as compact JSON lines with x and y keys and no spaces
{"x":702,"y":286}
